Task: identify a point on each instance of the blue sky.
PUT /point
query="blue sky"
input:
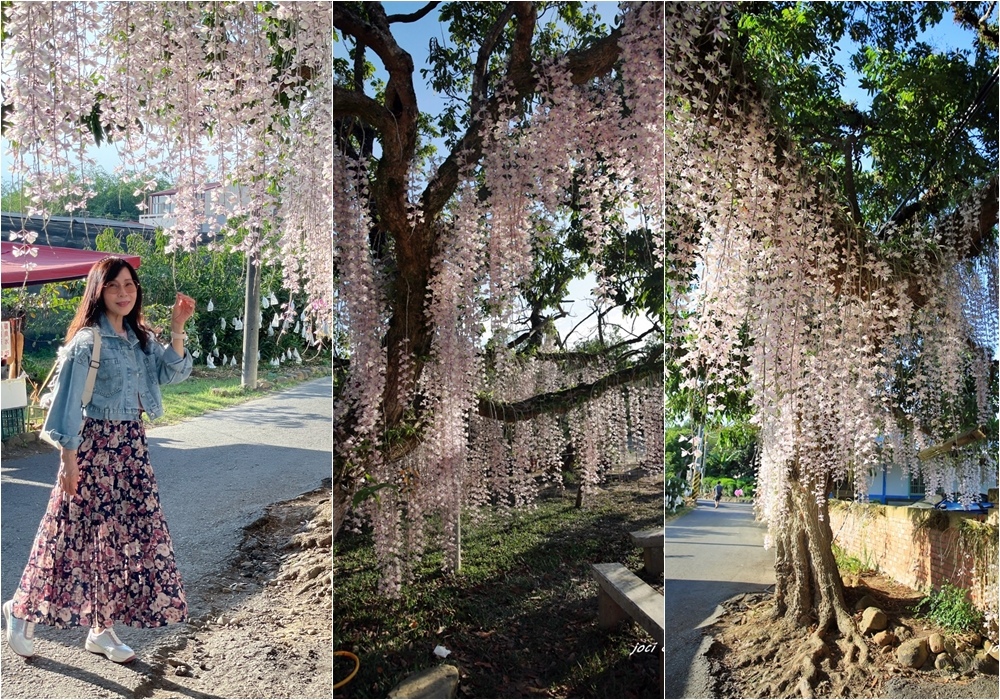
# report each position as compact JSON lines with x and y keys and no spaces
{"x":946,"y":36}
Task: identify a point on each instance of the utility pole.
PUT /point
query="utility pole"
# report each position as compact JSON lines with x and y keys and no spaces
{"x":251,"y":324}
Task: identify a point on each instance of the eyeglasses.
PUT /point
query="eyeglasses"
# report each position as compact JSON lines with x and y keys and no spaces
{"x":115,"y":287}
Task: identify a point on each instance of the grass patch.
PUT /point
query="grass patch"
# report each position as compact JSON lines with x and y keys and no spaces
{"x":211,"y":389}
{"x":205,"y":390}
{"x":848,"y":564}
{"x":521,"y":617}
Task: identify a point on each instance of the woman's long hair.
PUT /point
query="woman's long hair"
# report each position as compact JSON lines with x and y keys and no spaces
{"x":92,"y":306}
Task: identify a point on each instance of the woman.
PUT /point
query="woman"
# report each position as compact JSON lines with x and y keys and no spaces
{"x":103,"y":554}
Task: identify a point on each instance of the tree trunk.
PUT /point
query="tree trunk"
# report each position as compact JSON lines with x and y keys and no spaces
{"x":809,"y":588}
{"x":810,"y":612}
{"x":251,"y":325}
{"x":340,"y":496}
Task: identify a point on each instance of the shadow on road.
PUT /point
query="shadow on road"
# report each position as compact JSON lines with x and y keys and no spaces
{"x":710,"y":556}
{"x":291,"y":417}
{"x":101,"y":684}
{"x":208,"y":494}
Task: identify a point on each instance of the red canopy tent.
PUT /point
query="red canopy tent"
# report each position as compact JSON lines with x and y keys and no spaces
{"x":51,"y":264}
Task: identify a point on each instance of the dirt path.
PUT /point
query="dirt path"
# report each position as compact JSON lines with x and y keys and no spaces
{"x":267,"y":631}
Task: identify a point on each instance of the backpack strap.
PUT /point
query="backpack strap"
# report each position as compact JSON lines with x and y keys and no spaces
{"x":95,"y":362}
{"x":88,"y":388}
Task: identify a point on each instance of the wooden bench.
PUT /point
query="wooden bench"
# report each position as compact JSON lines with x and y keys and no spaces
{"x":623,"y":593}
{"x":651,"y":542}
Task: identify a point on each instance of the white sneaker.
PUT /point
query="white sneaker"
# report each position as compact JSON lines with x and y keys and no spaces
{"x":107,"y":643}
{"x":20,"y":634}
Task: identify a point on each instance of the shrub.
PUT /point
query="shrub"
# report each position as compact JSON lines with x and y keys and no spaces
{"x":674,"y":490}
{"x":950,"y":607}
{"x":674,"y":461}
{"x":47,"y":311}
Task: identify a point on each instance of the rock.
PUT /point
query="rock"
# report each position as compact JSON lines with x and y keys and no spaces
{"x":912,"y":653}
{"x":964,"y":662}
{"x":950,"y":646}
{"x":866,"y":602}
{"x":935,"y":643}
{"x":984,"y":663}
{"x":183,"y":671}
{"x":435,"y":682}
{"x":943,"y":662}
{"x":873,"y":620}
{"x":884,"y":638}
{"x":315,"y":571}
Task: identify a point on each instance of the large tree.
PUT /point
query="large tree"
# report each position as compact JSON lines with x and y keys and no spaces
{"x":842,"y":259}
{"x":543,"y":164}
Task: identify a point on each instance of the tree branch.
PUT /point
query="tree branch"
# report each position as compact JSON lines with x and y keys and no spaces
{"x":357,"y":105}
{"x":489,"y":44}
{"x":587,"y":357}
{"x":965,"y":16}
{"x":849,"y":188}
{"x":956,"y":228}
{"x":566,"y":399}
{"x":413,"y":16}
{"x":584,"y":64}
{"x":374,"y":34}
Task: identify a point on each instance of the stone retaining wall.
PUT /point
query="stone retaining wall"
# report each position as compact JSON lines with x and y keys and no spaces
{"x":919,"y":548}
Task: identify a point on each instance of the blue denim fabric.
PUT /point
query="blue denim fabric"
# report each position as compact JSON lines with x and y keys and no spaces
{"x":128,"y":381}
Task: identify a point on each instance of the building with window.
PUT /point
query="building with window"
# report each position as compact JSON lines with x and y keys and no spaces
{"x":217,"y":202}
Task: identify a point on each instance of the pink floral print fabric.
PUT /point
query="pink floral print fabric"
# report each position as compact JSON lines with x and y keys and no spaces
{"x":104,"y":556}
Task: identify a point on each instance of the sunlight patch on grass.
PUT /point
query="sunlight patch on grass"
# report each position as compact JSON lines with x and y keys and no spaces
{"x":210,"y":390}
{"x":519,"y":617}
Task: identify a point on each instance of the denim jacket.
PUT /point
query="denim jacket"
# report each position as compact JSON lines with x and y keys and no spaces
{"x":128,"y":381}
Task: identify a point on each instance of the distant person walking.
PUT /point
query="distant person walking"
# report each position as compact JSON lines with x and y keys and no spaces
{"x":102,"y":554}
{"x":718,"y":494}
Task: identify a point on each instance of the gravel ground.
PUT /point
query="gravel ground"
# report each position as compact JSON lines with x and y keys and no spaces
{"x":274,"y":639}
{"x":978,"y":687}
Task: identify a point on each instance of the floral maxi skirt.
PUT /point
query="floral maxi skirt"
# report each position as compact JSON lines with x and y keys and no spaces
{"x":104,"y":556}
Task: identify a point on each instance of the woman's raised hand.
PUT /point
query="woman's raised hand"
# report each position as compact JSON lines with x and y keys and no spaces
{"x":183,"y":310}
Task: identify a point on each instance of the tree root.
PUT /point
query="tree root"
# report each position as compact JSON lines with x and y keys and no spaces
{"x":784,"y":660}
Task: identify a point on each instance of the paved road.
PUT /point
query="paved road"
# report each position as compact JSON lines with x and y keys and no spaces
{"x":216,"y":474}
{"x":711,"y":555}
